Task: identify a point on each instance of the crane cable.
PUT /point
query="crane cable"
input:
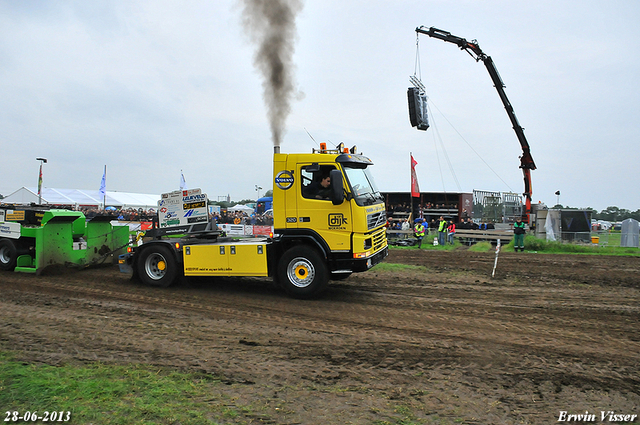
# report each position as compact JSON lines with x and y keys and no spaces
{"x":438,"y":138}
{"x":418,"y":70}
{"x":416,"y":67}
{"x":471,"y":147}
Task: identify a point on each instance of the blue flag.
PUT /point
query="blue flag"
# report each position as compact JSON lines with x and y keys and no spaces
{"x":183,"y":183}
{"x":103,"y":185}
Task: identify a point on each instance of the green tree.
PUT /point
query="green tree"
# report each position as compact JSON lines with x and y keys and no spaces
{"x":609,"y":213}
{"x":222,"y":204}
{"x":613,"y":213}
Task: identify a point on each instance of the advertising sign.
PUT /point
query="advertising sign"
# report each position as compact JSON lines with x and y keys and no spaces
{"x":182,"y":207}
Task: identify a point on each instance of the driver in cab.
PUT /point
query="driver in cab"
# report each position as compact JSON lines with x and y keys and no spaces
{"x":320,"y":189}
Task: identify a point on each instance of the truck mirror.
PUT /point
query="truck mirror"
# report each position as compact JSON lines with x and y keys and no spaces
{"x":337,"y":187}
{"x":313,"y":168}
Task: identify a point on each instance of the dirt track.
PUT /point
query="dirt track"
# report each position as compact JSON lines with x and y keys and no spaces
{"x":448,"y":344}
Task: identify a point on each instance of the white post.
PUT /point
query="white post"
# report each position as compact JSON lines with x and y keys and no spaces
{"x":495,"y":263}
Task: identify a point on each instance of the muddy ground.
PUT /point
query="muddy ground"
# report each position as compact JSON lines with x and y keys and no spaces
{"x":442,"y":344}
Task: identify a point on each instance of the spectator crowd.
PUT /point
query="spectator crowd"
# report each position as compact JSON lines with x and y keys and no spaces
{"x":140,"y":214}
{"x":240,"y":217}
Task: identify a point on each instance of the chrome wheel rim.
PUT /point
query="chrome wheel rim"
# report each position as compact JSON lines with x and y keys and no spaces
{"x":155,"y":266}
{"x":301,"y":272}
{"x":4,"y":255}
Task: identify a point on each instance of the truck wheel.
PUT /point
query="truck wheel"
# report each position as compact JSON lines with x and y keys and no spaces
{"x":303,"y":273}
{"x":8,"y":255}
{"x":157,"y":266}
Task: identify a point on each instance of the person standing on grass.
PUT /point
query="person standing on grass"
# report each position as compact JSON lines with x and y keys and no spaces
{"x":518,"y":234}
{"x":442,"y":231}
{"x":405,"y":226}
{"x":451,"y":231}
{"x":418,"y":230}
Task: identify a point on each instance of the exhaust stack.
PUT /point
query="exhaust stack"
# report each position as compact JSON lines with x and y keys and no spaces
{"x":276,"y":149}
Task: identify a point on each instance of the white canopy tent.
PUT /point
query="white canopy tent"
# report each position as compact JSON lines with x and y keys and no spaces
{"x":630,"y":236}
{"x":242,"y":208}
{"x":75,"y":197}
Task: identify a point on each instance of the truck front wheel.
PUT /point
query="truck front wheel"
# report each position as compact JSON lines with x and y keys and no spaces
{"x":303,"y":273}
{"x":157,"y":266}
{"x":8,"y":255}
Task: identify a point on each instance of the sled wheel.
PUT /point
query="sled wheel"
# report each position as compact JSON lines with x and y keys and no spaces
{"x":8,"y":255}
{"x":303,"y":273}
{"x":157,"y":266}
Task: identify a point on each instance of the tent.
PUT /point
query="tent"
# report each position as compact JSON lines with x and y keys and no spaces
{"x":629,"y":236}
{"x":75,"y":197}
{"x":242,"y":208}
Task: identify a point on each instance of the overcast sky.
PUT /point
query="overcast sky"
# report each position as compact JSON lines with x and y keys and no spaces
{"x":150,"y":88}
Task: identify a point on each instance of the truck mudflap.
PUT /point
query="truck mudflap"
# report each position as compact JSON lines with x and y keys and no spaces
{"x":125,"y":263}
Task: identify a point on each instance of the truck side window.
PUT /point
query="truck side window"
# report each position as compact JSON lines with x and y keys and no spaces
{"x":316,"y":183}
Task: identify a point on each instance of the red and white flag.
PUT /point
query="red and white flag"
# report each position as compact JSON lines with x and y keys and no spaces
{"x":415,"y":189}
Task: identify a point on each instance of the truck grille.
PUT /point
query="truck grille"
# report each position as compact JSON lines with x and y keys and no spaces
{"x":376,"y":219}
{"x":379,"y":240}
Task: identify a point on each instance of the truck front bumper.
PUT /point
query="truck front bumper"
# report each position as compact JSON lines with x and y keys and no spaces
{"x":366,"y":263}
{"x":348,"y":264}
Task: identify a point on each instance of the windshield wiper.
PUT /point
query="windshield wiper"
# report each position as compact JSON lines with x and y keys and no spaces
{"x":371,"y":197}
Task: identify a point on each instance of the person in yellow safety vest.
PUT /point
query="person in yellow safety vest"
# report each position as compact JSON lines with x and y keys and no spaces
{"x":442,"y":231}
{"x":418,"y":230}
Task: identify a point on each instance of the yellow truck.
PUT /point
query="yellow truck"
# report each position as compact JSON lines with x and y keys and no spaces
{"x":329,"y":222}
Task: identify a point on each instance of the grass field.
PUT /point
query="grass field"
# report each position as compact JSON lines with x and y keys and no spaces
{"x":609,"y":244}
{"x":111,"y":394}
{"x":97,"y":393}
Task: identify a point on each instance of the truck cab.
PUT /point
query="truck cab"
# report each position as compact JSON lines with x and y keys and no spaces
{"x":343,"y":223}
{"x":329,"y":222}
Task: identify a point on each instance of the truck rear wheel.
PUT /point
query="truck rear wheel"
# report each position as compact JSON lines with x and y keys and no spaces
{"x":8,"y":255}
{"x":302,"y":272}
{"x":157,"y":266}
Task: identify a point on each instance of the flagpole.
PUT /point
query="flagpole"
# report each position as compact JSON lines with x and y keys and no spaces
{"x":104,"y":195}
{"x":40,"y":186}
{"x":42,"y":161}
{"x":103,"y":188}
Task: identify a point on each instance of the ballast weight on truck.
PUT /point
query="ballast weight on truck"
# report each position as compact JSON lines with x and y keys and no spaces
{"x":329,"y":222}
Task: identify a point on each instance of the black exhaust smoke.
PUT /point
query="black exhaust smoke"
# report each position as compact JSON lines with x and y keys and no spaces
{"x":271,"y":24}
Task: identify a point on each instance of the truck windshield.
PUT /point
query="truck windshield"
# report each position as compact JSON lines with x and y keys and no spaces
{"x":363,"y":187}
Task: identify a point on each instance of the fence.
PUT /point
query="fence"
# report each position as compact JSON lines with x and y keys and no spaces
{"x":496,"y":207}
{"x":600,"y":238}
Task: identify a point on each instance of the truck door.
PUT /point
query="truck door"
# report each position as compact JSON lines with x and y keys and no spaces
{"x":316,"y":210}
